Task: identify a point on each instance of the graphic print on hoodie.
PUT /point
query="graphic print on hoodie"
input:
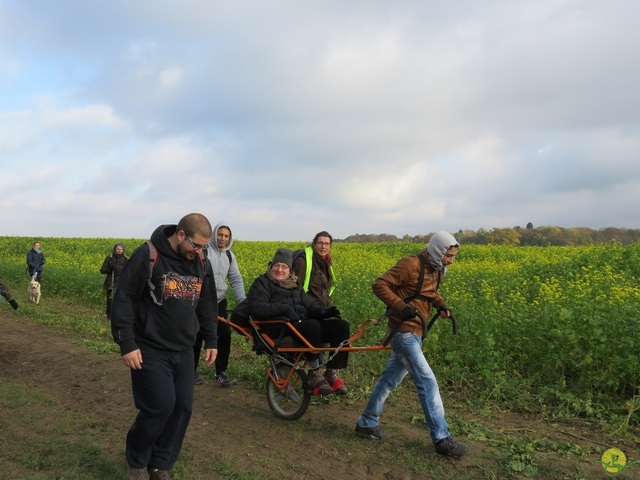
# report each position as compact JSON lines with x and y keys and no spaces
{"x":181,"y":287}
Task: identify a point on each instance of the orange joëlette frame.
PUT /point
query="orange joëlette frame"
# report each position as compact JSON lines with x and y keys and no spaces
{"x":306,"y":346}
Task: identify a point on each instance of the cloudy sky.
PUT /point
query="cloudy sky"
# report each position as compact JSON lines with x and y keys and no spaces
{"x":287,"y":117}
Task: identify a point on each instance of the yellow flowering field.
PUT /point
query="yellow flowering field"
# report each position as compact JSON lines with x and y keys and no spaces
{"x":551,"y":328}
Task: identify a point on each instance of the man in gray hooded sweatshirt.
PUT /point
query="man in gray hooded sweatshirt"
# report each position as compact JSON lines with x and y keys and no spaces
{"x":397,"y":289}
{"x":226,"y":273}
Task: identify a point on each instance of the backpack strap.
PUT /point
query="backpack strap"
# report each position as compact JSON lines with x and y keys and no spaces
{"x":229,"y":256}
{"x":153,"y":258}
{"x":417,"y":293}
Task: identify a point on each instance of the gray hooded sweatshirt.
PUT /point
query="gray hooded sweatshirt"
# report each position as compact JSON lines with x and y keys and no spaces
{"x":224,"y":270}
{"x":437,"y":247}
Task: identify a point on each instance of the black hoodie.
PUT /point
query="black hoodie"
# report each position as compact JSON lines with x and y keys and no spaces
{"x":186,"y":290}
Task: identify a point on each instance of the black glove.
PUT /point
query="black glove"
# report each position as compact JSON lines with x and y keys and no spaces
{"x":329,"y":312}
{"x":14,"y":304}
{"x":408,"y":313}
{"x":292,"y":316}
{"x":321,"y":313}
{"x":444,"y":311}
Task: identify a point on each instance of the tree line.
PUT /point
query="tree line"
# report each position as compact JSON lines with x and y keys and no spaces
{"x":528,"y":236}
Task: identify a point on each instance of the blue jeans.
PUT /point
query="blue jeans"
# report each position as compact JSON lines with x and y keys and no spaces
{"x":407,"y":357}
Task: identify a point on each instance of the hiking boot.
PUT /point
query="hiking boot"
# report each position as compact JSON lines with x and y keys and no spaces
{"x":137,"y":473}
{"x":448,"y":446}
{"x":223,"y":379}
{"x":375,"y":433}
{"x":318,"y":384}
{"x":159,"y":474}
{"x":196,"y":379}
{"x":335,"y":382}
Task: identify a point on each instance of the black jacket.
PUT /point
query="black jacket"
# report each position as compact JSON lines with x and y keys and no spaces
{"x":112,"y":267}
{"x":268,"y":300}
{"x":35,"y":261}
{"x":186,"y":290}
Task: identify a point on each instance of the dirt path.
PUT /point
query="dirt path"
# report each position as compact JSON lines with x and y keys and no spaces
{"x":235,"y":423}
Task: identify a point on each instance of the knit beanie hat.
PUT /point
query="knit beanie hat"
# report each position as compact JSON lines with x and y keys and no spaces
{"x":283,"y":255}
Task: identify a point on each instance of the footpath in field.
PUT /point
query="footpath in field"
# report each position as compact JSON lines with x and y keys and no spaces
{"x":235,"y":425}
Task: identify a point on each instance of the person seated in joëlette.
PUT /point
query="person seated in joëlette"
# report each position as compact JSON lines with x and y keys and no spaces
{"x":276,"y":294}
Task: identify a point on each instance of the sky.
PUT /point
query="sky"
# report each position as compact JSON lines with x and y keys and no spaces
{"x":283,"y":118}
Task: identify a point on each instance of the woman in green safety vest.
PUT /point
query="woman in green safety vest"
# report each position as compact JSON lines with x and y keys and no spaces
{"x":314,"y":268}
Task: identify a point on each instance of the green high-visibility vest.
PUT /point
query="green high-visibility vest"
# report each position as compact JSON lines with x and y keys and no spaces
{"x":308,"y":252}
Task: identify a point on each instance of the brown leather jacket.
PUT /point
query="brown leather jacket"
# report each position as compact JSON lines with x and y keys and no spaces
{"x":400,"y":282}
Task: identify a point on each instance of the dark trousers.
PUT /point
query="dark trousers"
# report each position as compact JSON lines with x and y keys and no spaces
{"x":332,"y":331}
{"x":109,"y":299}
{"x":163,"y":394}
{"x":224,"y":341}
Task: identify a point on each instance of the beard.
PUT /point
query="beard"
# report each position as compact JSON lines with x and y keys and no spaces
{"x":186,"y":254}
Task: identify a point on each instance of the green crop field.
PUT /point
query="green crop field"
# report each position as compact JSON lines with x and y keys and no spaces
{"x":554,"y":330}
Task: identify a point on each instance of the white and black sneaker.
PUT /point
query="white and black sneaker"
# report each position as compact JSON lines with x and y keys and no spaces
{"x":223,"y":379}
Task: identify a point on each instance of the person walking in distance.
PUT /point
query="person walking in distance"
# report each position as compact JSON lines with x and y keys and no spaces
{"x":225,"y":269}
{"x":397,"y":288}
{"x":36,"y":261}
{"x":112,"y":268}
{"x":166,"y":294}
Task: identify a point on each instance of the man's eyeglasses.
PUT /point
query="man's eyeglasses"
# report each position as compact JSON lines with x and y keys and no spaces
{"x":197,"y":247}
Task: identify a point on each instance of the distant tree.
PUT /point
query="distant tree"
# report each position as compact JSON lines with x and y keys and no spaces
{"x":532,"y":237}
{"x":504,"y":236}
{"x":539,"y":236}
{"x":611,"y":233}
{"x":482,"y":237}
{"x":579,"y":236}
{"x":467,"y":236}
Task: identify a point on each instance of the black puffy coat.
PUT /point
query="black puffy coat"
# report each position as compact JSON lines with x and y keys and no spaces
{"x":268,"y":300}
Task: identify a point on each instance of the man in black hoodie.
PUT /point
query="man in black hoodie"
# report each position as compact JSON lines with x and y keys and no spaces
{"x":154,"y":320}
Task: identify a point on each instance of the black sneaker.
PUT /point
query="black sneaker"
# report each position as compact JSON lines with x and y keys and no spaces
{"x":223,"y":379}
{"x":375,"y":433}
{"x":448,"y":446}
{"x":159,"y":474}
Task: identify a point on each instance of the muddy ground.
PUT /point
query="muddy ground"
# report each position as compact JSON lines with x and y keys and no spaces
{"x":236,"y":425}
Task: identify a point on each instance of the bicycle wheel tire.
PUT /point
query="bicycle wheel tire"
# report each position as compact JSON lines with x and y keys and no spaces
{"x":291,"y":403}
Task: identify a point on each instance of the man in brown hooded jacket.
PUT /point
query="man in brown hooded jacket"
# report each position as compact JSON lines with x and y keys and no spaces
{"x":397,"y":289}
